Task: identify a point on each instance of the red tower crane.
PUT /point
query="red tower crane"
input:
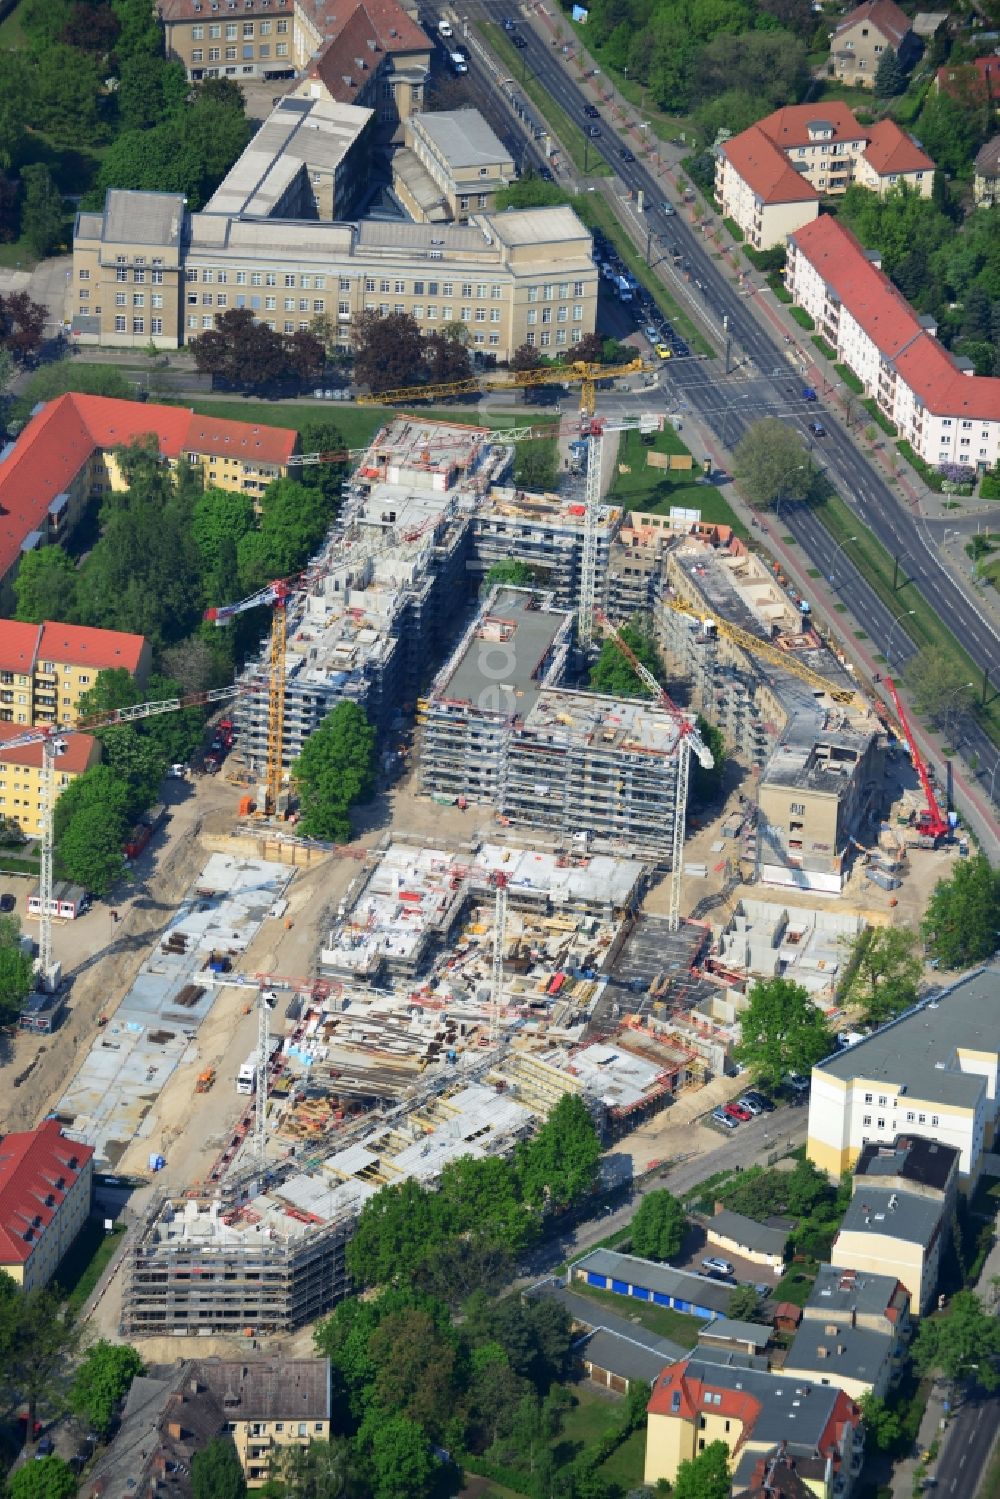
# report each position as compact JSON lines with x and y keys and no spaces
{"x":930,"y":823}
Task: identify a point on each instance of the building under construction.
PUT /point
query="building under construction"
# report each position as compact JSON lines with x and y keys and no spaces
{"x":498,"y":727}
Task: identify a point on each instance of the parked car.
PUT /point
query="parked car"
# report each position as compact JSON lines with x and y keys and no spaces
{"x":746,"y":1102}
{"x":738,"y":1111}
{"x":723,"y":1119}
{"x":545,"y":174}
{"x":817,"y":428}
{"x":45,"y":1448}
{"x":592,"y":112}
{"x":7,"y":903}
{"x":761,"y":1100}
{"x":800,"y":1085}
{"x":713,"y":1265}
{"x":445,"y":29}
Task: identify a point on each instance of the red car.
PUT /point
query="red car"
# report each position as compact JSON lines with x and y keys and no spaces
{"x":737,"y":1111}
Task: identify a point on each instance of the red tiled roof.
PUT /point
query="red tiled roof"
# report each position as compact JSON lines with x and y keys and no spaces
{"x":31,"y":1165}
{"x":360,"y":33}
{"x":891,"y":150}
{"x":79,"y":750}
{"x":979,"y":78}
{"x":889,"y":320}
{"x":884,"y":15}
{"x":676,"y":1381}
{"x":18,"y":645}
{"x":789,"y":127}
{"x":766,"y":170}
{"x":59,"y":440}
{"x":79,"y":645}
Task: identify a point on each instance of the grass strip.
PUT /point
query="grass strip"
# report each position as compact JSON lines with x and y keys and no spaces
{"x":923,"y":627}
{"x":571,"y":137}
{"x":357,"y":424}
{"x":662,"y":1320}
{"x":597,"y":213}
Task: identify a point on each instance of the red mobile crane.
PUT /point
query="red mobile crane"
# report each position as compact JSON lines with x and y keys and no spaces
{"x":930,"y":823}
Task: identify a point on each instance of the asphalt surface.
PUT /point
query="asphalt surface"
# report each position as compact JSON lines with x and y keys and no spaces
{"x":967,"y":1446}
{"x":767,"y":386}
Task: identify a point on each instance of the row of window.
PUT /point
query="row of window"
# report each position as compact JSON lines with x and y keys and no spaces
{"x":246,"y":52}
{"x":138,"y":275}
{"x":948,"y":421}
{"x":911,"y":1118}
{"x":214,"y":32}
{"x":139,"y":325}
{"x":287,"y":279}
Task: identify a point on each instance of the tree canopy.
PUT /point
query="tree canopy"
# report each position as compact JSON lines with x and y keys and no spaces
{"x":613,"y":673}
{"x":705,"y":1476}
{"x":45,"y":1478}
{"x":516,"y":574}
{"x":390,"y":351}
{"x":771,"y":463}
{"x":16,"y":971}
{"x":782,"y":1031}
{"x":335,"y":770}
{"x":102,"y":1380}
{"x":216,"y":1471}
{"x":885,"y":971}
{"x":961,"y":1345}
{"x":940,"y":688}
{"x":659,"y":1226}
{"x":244,"y":352}
{"x":962,"y":919}
{"x":559,"y":1165}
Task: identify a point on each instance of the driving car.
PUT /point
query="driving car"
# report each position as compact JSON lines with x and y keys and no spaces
{"x":593,"y":130}
{"x":669,"y":210}
{"x":662,"y":352}
{"x":713,"y":1265}
{"x":738,"y":1111}
{"x":808,"y":394}
{"x":545,"y":174}
{"x":508,"y":24}
{"x":445,"y":29}
{"x":817,"y":429}
{"x":723,"y":1119}
{"x":626,"y":154}
{"x":519,"y":40}
{"x":592,"y":112}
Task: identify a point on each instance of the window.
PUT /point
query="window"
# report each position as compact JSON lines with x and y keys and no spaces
{"x":532,"y":293}
{"x":578,"y":288}
{"x":494,"y":314}
{"x":578,"y":312}
{"x":882,"y":1101}
{"x":881,"y":1123}
{"x":418,"y":311}
{"x":577,"y":335}
{"x":120,"y":299}
{"x":156,"y":325}
{"x":119,"y":325}
{"x":384,"y":284}
{"x":121,"y":274}
{"x":84,"y":275}
{"x":465,"y":314}
{"x":231,"y":31}
{"x":549,"y":291}
{"x":214,"y":31}
{"x":496,"y":292}
{"x":400,"y":288}
{"x":207,"y":322}
{"x":265,"y":28}
{"x":256,"y":278}
{"x":560,"y":335}
{"x":532,"y":315}
{"x":447,"y":312}
{"x":197,"y":33}
{"x":206,"y":299}
{"x":270,"y":279}
{"x":398,"y":308}
{"x":282,"y":48}
{"x":157,"y":277}
{"x":921,"y":1118}
{"x":281,"y":27}
{"x":304,"y":305}
{"x":270,"y":303}
{"x":480,"y":314}
{"x":530,"y":340}
{"x":318,"y":304}
{"x":84,"y":293}
{"x":432,"y":312}
{"x":248,"y":28}
{"x":231,"y":55}
{"x":867,"y":1119}
{"x":138,"y":325}
{"x":369,"y":283}
{"x":447,"y":289}
{"x":546,"y":314}
{"x":138,"y":299}
{"x":935,"y":1120}
{"x":494,"y":340}
{"x":562,"y":314}
{"x":546,"y":339}
{"x":910,"y":1117}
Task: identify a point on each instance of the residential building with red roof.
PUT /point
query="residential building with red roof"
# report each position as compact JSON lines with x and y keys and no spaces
{"x":697,"y":1401}
{"x":52,"y":665}
{"x":771,"y":178}
{"x":45,"y":1185}
{"x":21,"y":799}
{"x":65,"y":457}
{"x":945,"y":411}
{"x":975,"y":82}
{"x":862,"y":37}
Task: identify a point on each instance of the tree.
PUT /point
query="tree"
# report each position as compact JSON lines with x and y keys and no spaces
{"x":90,"y":851}
{"x":42,"y":210}
{"x":885,"y":970}
{"x":398,"y":1229}
{"x":335,"y":770}
{"x":961,"y":1344}
{"x":22,"y":325}
{"x":388,"y":351}
{"x":45,"y":586}
{"x":612,"y":673}
{"x":481,"y":1196}
{"x":455,"y":1269}
{"x":17,"y":975}
{"x":743,"y":1304}
{"x":658,"y":1227}
{"x":216,"y":1471}
{"x":91,"y":28}
{"x":322,"y":1470}
{"x":535,"y":465}
{"x":305,"y":356}
{"x":962,"y":918}
{"x":705,"y":1476}
{"x":37,"y":1339}
{"x":417,"y":1370}
{"x":559,"y":1166}
{"x":525,"y":357}
{"x":940,"y":688}
{"x":102,"y":1380}
{"x":782,"y":1031}
{"x":770,"y":463}
{"x":241,"y":351}
{"x":150,"y":90}
{"x":890,"y":75}
{"x":882,"y":1424}
{"x":294,"y":520}
{"x":952,"y":129}
{"x":515,"y":574}
{"x":65,"y":94}
{"x":531,"y":192}
{"x":399,"y":1456}
{"x":706,"y":785}
{"x":45,"y":1478}
{"x":446,"y":356}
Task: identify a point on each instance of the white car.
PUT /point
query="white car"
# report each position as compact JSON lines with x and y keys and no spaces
{"x":445,"y":29}
{"x":749,"y":1103}
{"x":714,"y":1266}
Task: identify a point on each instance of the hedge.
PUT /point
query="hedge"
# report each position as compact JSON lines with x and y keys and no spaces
{"x":734,"y":229}
{"x":989,"y":487}
{"x":776,"y":284}
{"x":875,"y":412}
{"x":824,"y":347}
{"x":802,"y":318}
{"x":850,"y":379}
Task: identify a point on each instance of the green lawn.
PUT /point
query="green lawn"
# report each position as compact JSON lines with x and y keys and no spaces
{"x":626,"y":1465}
{"x":659,"y":1319}
{"x":81,"y":1269}
{"x":584,"y":156}
{"x":356,"y":424}
{"x":597,"y":213}
{"x":656,"y":489}
{"x":924,"y":627}
{"x":796,"y":1283}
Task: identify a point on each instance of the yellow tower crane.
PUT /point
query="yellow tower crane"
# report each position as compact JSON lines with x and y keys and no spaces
{"x":581,"y":372}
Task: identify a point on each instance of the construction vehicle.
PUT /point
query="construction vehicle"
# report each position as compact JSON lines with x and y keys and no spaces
{"x":206,"y":1081}
{"x":930,"y":824}
{"x":689,"y":742}
{"x":581,"y":373}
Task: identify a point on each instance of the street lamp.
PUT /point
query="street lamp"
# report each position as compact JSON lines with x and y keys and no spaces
{"x":839,"y":548}
{"x":993,"y":776}
{"x":892,"y":630}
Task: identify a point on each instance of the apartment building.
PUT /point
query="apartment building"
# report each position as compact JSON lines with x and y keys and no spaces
{"x":21,"y":800}
{"x":697,"y":1401}
{"x":934,"y":1072}
{"x":451,"y":164}
{"x":371,"y":53}
{"x":65,"y":456}
{"x":861,"y":39}
{"x":948,"y":414}
{"x":45,"y":669}
{"x":270,"y":1404}
{"x":771,"y":178}
{"x":986,"y":182}
{"x":45,"y":1185}
{"x":521,"y":277}
{"x":854,"y":1331}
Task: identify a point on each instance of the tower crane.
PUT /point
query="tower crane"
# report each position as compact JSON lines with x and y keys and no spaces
{"x":498,"y":880}
{"x":931,"y":823}
{"x":581,"y":372}
{"x":689,"y":742}
{"x":52,"y":738}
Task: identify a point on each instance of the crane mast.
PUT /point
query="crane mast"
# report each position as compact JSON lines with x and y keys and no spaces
{"x":499,"y":882}
{"x":931,"y":823}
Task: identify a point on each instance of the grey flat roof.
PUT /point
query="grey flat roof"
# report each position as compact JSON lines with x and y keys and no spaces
{"x":685,"y":1284}
{"x":622,"y":1355}
{"x":864,"y":1355}
{"x":911,"y":1218}
{"x":911,"y":1158}
{"x":786,"y":1413}
{"x":143,"y":218}
{"x":839,"y":1292}
{"x":919,"y":1050}
{"x":501,"y":676}
{"x":537,"y":226}
{"x":463,"y":137}
{"x":589,"y":1313}
{"x":737,"y":1331}
{"x":748,"y":1231}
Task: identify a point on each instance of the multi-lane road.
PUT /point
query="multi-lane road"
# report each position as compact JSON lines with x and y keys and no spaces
{"x":767,"y":386}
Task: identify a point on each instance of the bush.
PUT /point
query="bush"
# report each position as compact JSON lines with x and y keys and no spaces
{"x":776,"y":284}
{"x":824,"y":347}
{"x":802,"y":318}
{"x":850,"y":379}
{"x":931,"y":477}
{"x":766,"y":260}
{"x":875,"y":412}
{"x":989,"y":486}
{"x":734,"y":229}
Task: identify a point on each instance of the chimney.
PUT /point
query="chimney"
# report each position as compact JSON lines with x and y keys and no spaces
{"x":174,"y":1430}
{"x":194,"y":1386}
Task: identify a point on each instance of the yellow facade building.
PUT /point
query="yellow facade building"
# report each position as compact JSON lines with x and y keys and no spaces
{"x":45,"y":1186}
{"x":270,"y":1404}
{"x":45,"y":669}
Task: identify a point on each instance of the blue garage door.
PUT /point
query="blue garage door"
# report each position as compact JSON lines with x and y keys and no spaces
{"x":621,"y":1286}
{"x":640,"y":1293}
{"x":661,"y":1300}
{"x":596,"y":1280}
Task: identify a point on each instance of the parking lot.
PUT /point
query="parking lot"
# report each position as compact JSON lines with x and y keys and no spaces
{"x":696,"y":1248}
{"x":663,"y":340}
